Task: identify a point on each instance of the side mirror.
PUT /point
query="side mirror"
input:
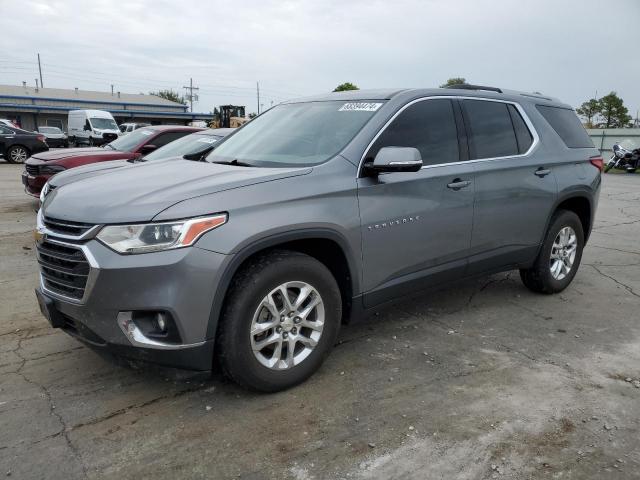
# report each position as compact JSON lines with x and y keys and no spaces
{"x":396,"y":159}
{"x":87,"y":127}
{"x":148,"y":148}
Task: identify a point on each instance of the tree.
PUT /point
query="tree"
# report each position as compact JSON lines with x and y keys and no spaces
{"x":589,"y":110}
{"x":454,"y":81}
{"x":614,"y":113}
{"x":343,"y":87}
{"x":169,"y":95}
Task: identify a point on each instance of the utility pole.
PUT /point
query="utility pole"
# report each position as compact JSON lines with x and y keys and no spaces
{"x":40,"y":69}
{"x":258,"y":94}
{"x":191,"y":97}
{"x":112,"y":89}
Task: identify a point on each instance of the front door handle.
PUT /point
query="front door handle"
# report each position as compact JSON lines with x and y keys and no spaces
{"x":542,"y":172}
{"x":458,"y":183}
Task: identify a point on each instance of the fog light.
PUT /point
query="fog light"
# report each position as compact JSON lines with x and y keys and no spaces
{"x":149,"y":327}
{"x":162,"y":323}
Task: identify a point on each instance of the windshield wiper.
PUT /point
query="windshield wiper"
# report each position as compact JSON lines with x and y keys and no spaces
{"x":107,"y":145}
{"x":235,"y":162}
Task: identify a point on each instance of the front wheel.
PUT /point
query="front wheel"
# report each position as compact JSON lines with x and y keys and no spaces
{"x":559,"y":257}
{"x":281,"y":319}
{"x":609,"y":166}
{"x":17,"y":154}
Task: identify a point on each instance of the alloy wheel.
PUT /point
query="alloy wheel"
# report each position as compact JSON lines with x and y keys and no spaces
{"x":18,"y":155}
{"x":287,"y":325}
{"x":563,"y":253}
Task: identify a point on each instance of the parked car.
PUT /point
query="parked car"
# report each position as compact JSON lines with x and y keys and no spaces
{"x":130,"y":127}
{"x":92,"y":127}
{"x":312,"y":214}
{"x":54,"y":136}
{"x":40,"y":167}
{"x":8,"y":123}
{"x":190,"y":147}
{"x":16,"y":145}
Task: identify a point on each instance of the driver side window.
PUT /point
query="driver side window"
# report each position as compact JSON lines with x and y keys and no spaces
{"x":429,"y":126}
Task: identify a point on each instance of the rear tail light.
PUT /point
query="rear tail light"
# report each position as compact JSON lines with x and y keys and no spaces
{"x":42,"y":138}
{"x":597,"y":162}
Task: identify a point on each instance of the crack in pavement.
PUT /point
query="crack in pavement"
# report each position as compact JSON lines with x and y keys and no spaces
{"x":615,"y":249}
{"x":128,"y":408}
{"x":616,"y":225}
{"x":52,"y":407}
{"x":624,"y":285}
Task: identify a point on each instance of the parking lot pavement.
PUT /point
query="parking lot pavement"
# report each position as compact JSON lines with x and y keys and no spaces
{"x":483,"y":380}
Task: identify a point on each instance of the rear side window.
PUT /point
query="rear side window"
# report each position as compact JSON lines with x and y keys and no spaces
{"x":429,"y":126}
{"x":491,"y":129}
{"x":567,"y":125}
{"x":164,"y":138}
{"x":523,"y":135}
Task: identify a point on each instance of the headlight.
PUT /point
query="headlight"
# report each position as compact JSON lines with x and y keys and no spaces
{"x":51,"y":169}
{"x":44,"y":192}
{"x":151,"y":237}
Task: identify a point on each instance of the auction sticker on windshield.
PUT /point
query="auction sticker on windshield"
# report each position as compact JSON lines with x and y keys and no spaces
{"x":360,"y":107}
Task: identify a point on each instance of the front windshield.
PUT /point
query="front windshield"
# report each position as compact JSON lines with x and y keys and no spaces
{"x":297,"y":134}
{"x":189,"y":145}
{"x":128,"y":143}
{"x":629,"y":144}
{"x":103,"y":123}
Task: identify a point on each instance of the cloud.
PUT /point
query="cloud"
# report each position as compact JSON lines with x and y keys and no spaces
{"x":566,"y":49}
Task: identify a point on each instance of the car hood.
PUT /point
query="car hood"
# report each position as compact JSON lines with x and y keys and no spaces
{"x":85,"y":171}
{"x":53,"y":155}
{"x":54,"y":135}
{"x":142,"y":191}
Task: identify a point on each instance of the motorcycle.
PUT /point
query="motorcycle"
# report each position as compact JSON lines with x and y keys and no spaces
{"x":626,"y":156}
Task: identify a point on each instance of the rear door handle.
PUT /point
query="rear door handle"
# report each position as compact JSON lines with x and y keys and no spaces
{"x":458,"y":183}
{"x":542,"y":172}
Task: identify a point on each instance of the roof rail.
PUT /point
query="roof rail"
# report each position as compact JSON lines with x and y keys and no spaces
{"x":466,"y":86}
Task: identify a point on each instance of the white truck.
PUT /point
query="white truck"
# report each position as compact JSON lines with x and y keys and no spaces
{"x":92,"y":127}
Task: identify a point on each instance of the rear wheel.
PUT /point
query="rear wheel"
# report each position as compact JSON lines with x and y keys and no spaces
{"x":17,"y":154}
{"x":280,"y":321}
{"x":559,"y":257}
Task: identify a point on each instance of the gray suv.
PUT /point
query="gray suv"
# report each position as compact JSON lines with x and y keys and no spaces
{"x":312,"y":214}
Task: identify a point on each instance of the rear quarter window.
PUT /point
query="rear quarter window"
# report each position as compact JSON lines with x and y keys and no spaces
{"x":567,"y":125}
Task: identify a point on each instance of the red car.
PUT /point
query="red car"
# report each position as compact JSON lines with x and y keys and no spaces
{"x":134,"y":145}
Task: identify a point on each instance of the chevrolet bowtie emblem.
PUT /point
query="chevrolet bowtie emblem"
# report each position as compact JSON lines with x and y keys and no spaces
{"x":38,"y":235}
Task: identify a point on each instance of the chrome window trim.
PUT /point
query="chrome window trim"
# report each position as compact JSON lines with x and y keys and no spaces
{"x":523,"y":114}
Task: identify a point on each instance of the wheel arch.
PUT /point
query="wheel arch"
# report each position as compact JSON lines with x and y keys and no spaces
{"x":14,"y":145}
{"x":327,"y":246}
{"x":582,"y":206}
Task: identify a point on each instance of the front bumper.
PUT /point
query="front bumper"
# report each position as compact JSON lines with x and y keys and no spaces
{"x":33,"y":183}
{"x":181,"y":282}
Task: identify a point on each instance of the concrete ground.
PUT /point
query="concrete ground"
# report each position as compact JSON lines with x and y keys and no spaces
{"x":484,"y":380}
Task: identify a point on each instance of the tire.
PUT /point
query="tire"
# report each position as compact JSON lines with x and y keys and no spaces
{"x":259,"y":280}
{"x":17,"y":154}
{"x":91,"y":142}
{"x":631,"y":170}
{"x":541,"y":277}
{"x":72,"y":142}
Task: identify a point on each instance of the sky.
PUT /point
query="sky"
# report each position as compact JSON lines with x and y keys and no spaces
{"x":570,"y":49}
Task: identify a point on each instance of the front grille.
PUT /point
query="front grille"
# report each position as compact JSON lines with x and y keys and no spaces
{"x":64,"y":269}
{"x":109,"y":137}
{"x":32,"y":169}
{"x":65,"y":227}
